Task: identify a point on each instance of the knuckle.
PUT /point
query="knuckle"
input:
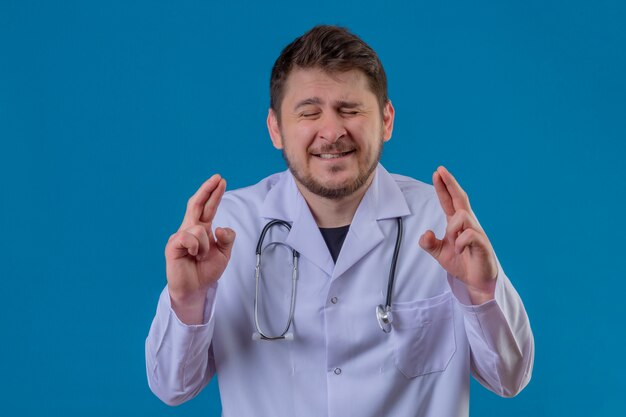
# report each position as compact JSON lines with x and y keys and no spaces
{"x":456,"y":220}
{"x":200,"y":232}
{"x":176,"y":237}
{"x":170,"y":243}
{"x":192,"y":230}
{"x":472,"y":235}
{"x":464,"y":216}
{"x":191,"y":241}
{"x":193,"y":202}
{"x":182,"y":235}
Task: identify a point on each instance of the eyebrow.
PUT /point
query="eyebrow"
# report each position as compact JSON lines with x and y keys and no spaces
{"x":342,"y":104}
{"x":307,"y":102}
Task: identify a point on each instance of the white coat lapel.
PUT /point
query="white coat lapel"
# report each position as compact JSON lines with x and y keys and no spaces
{"x":383,"y":200}
{"x":285,"y":202}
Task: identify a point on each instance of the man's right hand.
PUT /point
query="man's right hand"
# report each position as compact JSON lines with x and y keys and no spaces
{"x":195,"y":258}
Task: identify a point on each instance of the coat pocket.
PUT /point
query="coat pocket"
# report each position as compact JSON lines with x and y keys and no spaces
{"x":423,"y":335}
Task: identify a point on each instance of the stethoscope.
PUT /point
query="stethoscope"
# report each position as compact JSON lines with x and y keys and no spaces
{"x":383,"y":313}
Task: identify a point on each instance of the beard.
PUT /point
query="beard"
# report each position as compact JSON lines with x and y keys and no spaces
{"x":340,"y":191}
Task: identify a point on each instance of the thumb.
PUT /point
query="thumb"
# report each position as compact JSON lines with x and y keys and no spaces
{"x":225,"y":238}
{"x":430,"y":244}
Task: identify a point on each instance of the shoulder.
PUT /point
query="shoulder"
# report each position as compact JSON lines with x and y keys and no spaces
{"x":423,"y":203}
{"x":246,"y":201}
{"x":416,"y":192}
{"x":253,"y":194}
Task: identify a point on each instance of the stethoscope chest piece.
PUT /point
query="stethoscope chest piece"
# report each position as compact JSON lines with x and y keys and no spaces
{"x":384,"y":316}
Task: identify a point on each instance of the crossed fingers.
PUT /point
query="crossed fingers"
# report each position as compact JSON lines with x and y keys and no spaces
{"x":451,"y":196}
{"x":195,"y":236}
{"x":202,"y":206}
{"x":462,"y":230}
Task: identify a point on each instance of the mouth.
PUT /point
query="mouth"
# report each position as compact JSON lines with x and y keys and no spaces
{"x":333,"y":155}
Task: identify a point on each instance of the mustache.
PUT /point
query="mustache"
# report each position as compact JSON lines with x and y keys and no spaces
{"x":337,"y":147}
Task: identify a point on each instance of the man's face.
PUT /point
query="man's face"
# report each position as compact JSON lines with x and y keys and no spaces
{"x":331,"y":130}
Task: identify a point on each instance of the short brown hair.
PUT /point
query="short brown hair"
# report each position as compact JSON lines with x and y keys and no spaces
{"x":332,"y":49}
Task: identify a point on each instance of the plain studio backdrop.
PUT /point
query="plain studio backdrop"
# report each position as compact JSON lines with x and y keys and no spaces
{"x":112,"y":114}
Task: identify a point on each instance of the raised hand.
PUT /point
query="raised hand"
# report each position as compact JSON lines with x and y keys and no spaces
{"x":465,"y":251}
{"x":195,"y":258}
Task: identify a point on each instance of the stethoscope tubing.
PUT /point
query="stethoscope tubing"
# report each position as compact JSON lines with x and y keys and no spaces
{"x":383,"y":313}
{"x":294,"y":284}
{"x":394,"y":262}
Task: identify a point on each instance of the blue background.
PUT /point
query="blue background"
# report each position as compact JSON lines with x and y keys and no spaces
{"x":113,"y":113}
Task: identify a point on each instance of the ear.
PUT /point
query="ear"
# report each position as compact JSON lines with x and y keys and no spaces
{"x":274,"y":129}
{"x":388,"y":115}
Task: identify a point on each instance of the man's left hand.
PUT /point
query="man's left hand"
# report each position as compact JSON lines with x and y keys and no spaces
{"x":465,"y":251}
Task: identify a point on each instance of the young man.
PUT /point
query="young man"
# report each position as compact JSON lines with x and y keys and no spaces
{"x":332,"y":341}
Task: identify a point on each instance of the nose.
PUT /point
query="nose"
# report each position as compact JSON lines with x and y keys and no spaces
{"x":332,"y":128}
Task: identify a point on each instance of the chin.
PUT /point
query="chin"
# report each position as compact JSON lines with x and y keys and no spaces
{"x":336,"y":181}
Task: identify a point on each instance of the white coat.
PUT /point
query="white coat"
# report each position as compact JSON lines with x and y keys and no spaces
{"x":340,"y":362}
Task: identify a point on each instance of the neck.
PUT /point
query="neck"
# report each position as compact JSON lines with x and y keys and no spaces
{"x":334,"y":212}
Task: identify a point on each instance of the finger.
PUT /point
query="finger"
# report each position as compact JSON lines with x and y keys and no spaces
{"x":470,"y":238}
{"x":461,"y":220}
{"x":429,"y":242}
{"x":225,"y":239}
{"x":445,"y":199}
{"x":200,"y":233}
{"x":181,"y":244}
{"x":459,"y":196}
{"x":196,"y":203}
{"x":210,"y":207}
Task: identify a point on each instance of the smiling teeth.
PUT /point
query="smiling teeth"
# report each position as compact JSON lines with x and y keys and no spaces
{"x":332,"y":155}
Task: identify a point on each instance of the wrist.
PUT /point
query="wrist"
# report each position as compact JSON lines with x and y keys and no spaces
{"x":189,"y":308}
{"x":484,"y":294}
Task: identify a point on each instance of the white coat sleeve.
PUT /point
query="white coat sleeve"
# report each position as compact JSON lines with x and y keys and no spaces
{"x":179,"y":360}
{"x":501,"y":341}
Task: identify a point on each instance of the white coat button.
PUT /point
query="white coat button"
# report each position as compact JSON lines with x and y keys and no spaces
{"x":337,"y":371}
{"x":334,"y":301}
